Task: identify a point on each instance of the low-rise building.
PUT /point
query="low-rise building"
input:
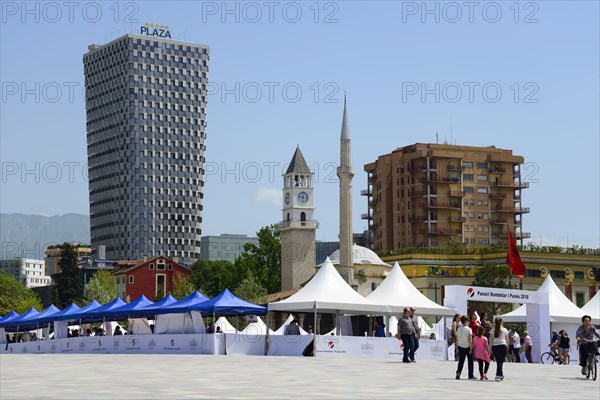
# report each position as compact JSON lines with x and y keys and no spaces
{"x":224,"y":247}
{"x":28,"y":271}
{"x":52,"y":256}
{"x":152,"y":278}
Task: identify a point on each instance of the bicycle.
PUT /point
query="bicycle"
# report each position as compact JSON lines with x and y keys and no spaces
{"x":550,"y":357}
{"x":592,"y":361}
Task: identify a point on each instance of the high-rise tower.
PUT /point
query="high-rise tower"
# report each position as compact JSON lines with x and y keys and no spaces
{"x":345,"y":172}
{"x":146,"y":119}
{"x":298,"y":227}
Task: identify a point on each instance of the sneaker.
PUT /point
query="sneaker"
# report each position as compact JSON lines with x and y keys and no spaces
{"x":583,"y":370}
{"x":485,"y":377}
{"x":457,"y":375}
{"x":414,"y":361}
{"x":497,"y":379}
{"x":473,"y":377}
{"x":501,"y":379}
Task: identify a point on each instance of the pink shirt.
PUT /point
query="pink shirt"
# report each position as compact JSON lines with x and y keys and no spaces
{"x":528,"y":342}
{"x":481,"y":348}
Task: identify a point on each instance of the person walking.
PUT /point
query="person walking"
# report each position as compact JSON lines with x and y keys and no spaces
{"x":565,"y":346}
{"x":453,"y":331}
{"x":464,"y":341}
{"x":499,"y":346}
{"x":406,"y":331}
{"x":417,"y":335}
{"x":516,"y":339}
{"x":528,"y":344}
{"x":481,"y":352}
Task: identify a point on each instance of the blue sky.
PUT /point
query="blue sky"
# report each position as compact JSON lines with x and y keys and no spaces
{"x":542,"y":56}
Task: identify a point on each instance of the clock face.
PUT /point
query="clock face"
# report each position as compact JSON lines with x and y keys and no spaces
{"x":302,"y":197}
{"x":287,"y":198}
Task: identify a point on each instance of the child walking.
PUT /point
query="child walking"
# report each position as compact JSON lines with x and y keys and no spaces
{"x":482,"y":355}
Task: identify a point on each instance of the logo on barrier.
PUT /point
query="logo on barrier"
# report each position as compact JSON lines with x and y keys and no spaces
{"x":367,"y":348}
{"x":330,"y":344}
{"x":172,"y":342}
{"x":11,"y":349}
{"x":152,"y":344}
{"x":52,"y":348}
{"x":193,"y":344}
{"x":401,"y":346}
{"x":99,"y":343}
{"x":470,"y":292}
{"x":38,"y":347}
{"x":82,"y":346}
{"x":68,"y":345}
{"x":133,"y":342}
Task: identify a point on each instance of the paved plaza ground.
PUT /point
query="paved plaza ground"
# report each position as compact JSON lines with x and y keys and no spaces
{"x":114,"y":376}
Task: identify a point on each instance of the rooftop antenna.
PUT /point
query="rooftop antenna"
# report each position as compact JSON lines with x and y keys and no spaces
{"x":451,"y":141}
{"x":436,"y":137}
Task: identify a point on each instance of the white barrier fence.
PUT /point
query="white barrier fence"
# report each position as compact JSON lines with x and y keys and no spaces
{"x":371,"y":347}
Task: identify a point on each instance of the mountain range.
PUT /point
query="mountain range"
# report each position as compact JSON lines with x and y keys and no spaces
{"x":28,"y":235}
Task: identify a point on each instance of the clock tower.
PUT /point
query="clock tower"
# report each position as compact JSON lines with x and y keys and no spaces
{"x":298,"y":226}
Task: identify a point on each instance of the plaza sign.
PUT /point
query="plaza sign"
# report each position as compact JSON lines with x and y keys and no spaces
{"x":157,"y":30}
{"x":500,"y":295}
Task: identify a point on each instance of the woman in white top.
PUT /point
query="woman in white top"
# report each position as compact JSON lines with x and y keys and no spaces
{"x":499,"y":346}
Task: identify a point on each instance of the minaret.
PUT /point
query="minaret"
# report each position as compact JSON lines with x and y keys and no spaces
{"x":345,"y":172}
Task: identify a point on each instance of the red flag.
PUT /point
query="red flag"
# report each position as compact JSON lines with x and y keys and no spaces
{"x":513,"y":259}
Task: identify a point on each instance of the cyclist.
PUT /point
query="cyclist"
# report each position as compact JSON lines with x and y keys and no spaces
{"x":554,"y":342}
{"x":585,"y":340}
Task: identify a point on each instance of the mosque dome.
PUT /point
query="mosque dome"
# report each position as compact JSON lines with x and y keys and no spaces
{"x":360,"y":255}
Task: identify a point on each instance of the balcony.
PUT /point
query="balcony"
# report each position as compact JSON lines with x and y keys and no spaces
{"x":418,"y":219}
{"x":440,"y":231}
{"x":498,"y":221}
{"x":522,"y":210}
{"x":365,"y":216}
{"x":373,"y":226}
{"x":298,"y":224}
{"x":416,"y":193}
{"x":515,"y":185}
{"x":419,"y":167}
{"x":497,"y":195}
{"x":371,"y":178}
{"x":522,"y":235}
{"x":494,"y":169}
{"x":517,"y":210}
{"x":438,"y":179}
{"x":372,"y":202}
{"x":456,"y":219}
{"x":455,"y":193}
{"x":366,"y":192}
{"x":441,"y":204}
{"x":454,"y":167}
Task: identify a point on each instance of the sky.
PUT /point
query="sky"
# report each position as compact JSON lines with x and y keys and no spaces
{"x":518,"y":75}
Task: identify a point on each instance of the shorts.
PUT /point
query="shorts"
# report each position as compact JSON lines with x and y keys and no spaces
{"x":564,"y":350}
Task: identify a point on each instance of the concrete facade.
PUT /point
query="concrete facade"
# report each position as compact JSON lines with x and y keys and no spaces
{"x":146,"y":119}
{"x":226,"y":247}
{"x":440,"y":195}
{"x":28,"y":271}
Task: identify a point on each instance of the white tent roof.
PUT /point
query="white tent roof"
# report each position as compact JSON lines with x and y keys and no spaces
{"x":561,"y":308}
{"x":226,"y":327}
{"x":328,"y":292}
{"x":592,"y":308}
{"x":281,"y":330}
{"x":256,"y":328}
{"x":398,"y":292}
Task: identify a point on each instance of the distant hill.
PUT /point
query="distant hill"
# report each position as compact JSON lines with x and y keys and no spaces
{"x":28,"y":235}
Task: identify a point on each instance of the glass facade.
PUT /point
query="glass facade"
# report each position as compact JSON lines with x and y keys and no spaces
{"x":146,"y":121}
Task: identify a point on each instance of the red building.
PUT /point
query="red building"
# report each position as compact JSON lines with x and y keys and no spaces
{"x":152,"y":278}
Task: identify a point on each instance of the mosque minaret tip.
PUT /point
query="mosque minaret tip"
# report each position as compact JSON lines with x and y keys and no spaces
{"x":345,"y":172}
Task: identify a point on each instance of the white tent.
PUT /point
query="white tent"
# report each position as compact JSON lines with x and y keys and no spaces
{"x":226,"y":327}
{"x":257,"y":328}
{"x":398,"y":292}
{"x":592,"y":308}
{"x":327,"y":292}
{"x":561,"y":308}
{"x":189,"y":322}
{"x":281,"y":330}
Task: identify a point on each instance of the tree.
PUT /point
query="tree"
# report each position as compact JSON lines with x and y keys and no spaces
{"x":14,"y":296}
{"x":263,"y":261}
{"x":212,"y":277}
{"x":494,"y":276}
{"x":251,"y":290}
{"x":182,"y":286}
{"x":101,"y":288}
{"x":69,"y":288}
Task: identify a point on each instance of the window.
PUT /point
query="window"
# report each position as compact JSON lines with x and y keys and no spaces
{"x":479,"y":216}
{"x":482,"y":190}
{"x":579,"y":299}
{"x":557,"y":274}
{"x":472,"y":228}
{"x":480,"y":229}
{"x":485,"y":228}
{"x":160,"y":265}
{"x":151,"y":266}
{"x":482,"y":165}
{"x":170,"y":267}
{"x":466,"y":202}
{"x":130,"y":279}
{"x":579,"y":275}
{"x":468,"y":177}
{"x":467,"y":189}
{"x":468,"y":164}
{"x":481,"y":177}
{"x":479,"y":203}
{"x":466,"y":228}
{"x":471,"y":215}
{"x":160,"y":286}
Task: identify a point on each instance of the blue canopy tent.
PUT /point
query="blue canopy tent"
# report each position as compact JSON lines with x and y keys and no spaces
{"x":226,"y":303}
{"x":58,"y":316}
{"x":15,"y":321}
{"x":33,"y":321}
{"x":98,"y":314}
{"x":183,"y":305}
{"x":127,"y":310}
{"x":9,"y":317}
{"x":151,"y":310}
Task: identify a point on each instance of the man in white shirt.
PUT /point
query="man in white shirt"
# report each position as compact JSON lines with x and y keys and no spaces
{"x":464,"y":341}
{"x":516,"y":339}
